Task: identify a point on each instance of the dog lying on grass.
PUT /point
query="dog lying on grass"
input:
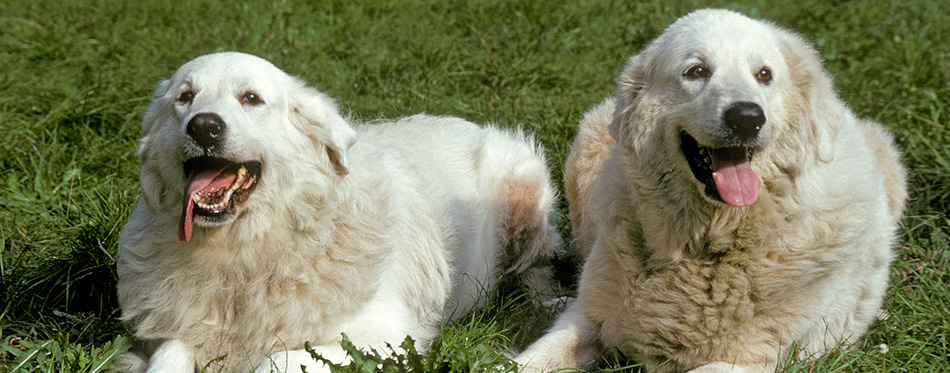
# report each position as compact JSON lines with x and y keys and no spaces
{"x":729,"y":206}
{"x":268,"y":221}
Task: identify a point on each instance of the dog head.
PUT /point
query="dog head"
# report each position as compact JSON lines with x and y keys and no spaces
{"x":716,"y":90}
{"x":221,"y":134}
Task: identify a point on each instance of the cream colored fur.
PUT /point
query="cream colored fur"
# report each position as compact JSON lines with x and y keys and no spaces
{"x":379,"y":232}
{"x":682,"y":282}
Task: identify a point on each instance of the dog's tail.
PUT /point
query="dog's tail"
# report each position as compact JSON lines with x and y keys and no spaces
{"x":515,"y":170}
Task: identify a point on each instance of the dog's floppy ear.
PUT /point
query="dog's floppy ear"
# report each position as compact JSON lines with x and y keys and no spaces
{"x":317,"y":115}
{"x":157,"y":108}
{"x":821,"y":111}
{"x":631,"y":82}
{"x":154,"y":190}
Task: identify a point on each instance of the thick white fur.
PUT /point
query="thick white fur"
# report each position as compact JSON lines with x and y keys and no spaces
{"x":378,"y":232}
{"x":681,"y":282}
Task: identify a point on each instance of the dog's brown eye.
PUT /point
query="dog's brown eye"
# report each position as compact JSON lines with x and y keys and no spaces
{"x":697,"y":72}
{"x":764,"y":76}
{"x":251,"y":98}
{"x":186,"y":97}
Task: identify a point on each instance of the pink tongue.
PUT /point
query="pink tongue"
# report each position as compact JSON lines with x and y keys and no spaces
{"x":196,"y":183}
{"x":738,"y":185}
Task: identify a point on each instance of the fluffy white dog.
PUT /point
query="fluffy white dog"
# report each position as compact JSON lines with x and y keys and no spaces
{"x":267,"y":221}
{"x":729,"y":205}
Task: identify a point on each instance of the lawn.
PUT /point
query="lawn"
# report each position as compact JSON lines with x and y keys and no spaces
{"x":76,"y":76}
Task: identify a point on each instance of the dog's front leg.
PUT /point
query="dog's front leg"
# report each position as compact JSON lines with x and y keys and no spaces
{"x":571,"y":342}
{"x":171,"y":356}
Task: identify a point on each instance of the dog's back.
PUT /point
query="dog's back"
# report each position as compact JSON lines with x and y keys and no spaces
{"x":468,"y":167}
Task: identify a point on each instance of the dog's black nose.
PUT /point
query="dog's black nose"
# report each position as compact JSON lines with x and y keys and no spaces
{"x":207,"y":129}
{"x":745,"y":119}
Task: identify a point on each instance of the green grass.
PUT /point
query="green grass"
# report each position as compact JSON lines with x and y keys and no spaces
{"x":76,"y":75}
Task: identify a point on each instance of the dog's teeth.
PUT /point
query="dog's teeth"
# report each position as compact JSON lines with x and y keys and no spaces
{"x":216,"y":206}
{"x":241,"y":175}
{"x":223,"y":196}
{"x":227,"y":196}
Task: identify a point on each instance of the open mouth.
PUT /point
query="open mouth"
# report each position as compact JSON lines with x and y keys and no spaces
{"x":726,"y":172}
{"x":215,"y":190}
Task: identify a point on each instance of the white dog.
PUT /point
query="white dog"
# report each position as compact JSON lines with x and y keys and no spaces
{"x":267,"y":221}
{"x":729,"y":206}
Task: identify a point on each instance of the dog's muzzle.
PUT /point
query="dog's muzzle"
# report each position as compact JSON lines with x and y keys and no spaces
{"x":216,"y":185}
{"x":726,"y":169}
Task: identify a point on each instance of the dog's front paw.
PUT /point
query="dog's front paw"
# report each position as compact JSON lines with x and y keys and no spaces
{"x":171,"y":356}
{"x":724,"y":367}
